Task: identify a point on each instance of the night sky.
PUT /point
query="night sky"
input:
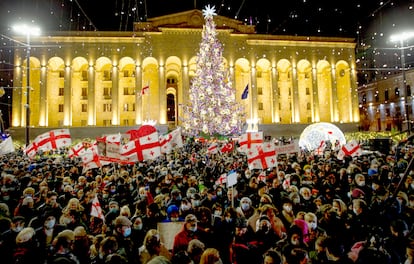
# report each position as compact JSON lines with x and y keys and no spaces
{"x":350,"y":18}
{"x":369,"y":22}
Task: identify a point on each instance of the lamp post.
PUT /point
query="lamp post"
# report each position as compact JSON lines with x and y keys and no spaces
{"x":401,"y":37}
{"x":27,"y":31}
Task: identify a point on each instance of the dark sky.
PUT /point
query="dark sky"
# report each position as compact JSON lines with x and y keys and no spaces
{"x":293,"y":17}
{"x":369,"y":22}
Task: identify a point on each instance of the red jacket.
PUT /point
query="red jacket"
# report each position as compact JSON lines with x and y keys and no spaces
{"x":182,"y":239}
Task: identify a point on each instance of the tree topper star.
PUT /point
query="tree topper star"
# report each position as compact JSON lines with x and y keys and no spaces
{"x":209,"y":11}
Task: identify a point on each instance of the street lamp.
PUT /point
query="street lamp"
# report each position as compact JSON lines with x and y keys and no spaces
{"x":28,"y":31}
{"x":401,"y":37}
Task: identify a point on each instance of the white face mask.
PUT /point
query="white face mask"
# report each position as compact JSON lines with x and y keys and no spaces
{"x":287,"y":208}
{"x":50,"y":224}
{"x":312,"y":225}
{"x":17,"y":229}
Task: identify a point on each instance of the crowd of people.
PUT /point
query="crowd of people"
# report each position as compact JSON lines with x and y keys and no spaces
{"x":308,"y":209}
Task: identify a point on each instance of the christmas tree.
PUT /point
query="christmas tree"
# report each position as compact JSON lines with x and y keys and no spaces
{"x":212,"y":109}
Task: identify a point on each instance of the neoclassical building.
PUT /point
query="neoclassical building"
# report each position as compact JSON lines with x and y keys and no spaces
{"x":94,"y":79}
{"x":387,"y":104}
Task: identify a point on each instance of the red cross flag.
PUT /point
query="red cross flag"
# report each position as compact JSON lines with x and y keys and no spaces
{"x":250,"y":140}
{"x":77,"y":150}
{"x":262,"y":157}
{"x":54,"y":139}
{"x":90,"y":159}
{"x":352,"y":148}
{"x":96,"y":209}
{"x":144,"y":148}
{"x":31,"y":150}
{"x":171,"y":140}
{"x":262,"y":176}
{"x":321,"y":149}
{"x":222,"y":179}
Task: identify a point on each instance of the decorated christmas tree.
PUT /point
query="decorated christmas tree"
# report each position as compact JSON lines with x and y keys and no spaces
{"x":212,"y":109}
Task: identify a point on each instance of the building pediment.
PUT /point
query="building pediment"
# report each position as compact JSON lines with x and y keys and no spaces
{"x":192,"y":19}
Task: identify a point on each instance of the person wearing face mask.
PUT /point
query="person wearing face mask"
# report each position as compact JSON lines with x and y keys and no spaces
{"x":17,"y":224}
{"x":264,"y":237}
{"x":245,"y":208}
{"x":314,"y":231}
{"x":122,"y":232}
{"x":364,"y":184}
{"x":306,"y":200}
{"x":287,"y":216}
{"x":47,"y":233}
{"x":173,"y":214}
{"x":188,"y":232}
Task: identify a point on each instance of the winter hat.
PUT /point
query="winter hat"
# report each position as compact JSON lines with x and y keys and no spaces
{"x":246,"y":199}
{"x":122,"y":221}
{"x":357,"y":193}
{"x":304,"y":228}
{"x":25,"y":235}
{"x":172,"y":208}
{"x":68,"y":234}
{"x":190,"y":218}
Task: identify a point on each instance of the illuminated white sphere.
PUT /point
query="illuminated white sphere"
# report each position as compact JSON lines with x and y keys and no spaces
{"x":314,"y":134}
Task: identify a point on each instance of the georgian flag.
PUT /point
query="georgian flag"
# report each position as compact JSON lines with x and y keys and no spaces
{"x":53,"y":139}
{"x":250,"y":140}
{"x":319,"y":151}
{"x":262,"y":157}
{"x":144,"y":148}
{"x":352,"y":148}
{"x":96,"y":209}
{"x":77,"y":150}
{"x":90,"y":159}
{"x":31,"y":150}
{"x":222,"y":179}
{"x":171,"y":140}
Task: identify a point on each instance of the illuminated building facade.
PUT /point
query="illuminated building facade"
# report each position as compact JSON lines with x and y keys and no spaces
{"x":94,"y":79}
{"x":382,"y":103}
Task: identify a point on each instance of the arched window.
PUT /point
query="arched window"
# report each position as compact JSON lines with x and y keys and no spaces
{"x":408,"y":90}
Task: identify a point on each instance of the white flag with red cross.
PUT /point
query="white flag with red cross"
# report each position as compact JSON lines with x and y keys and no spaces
{"x":250,"y":140}
{"x":143,"y":148}
{"x":352,"y":148}
{"x":77,"y":150}
{"x":171,"y":140}
{"x":90,"y":159}
{"x":31,"y":150}
{"x":222,"y":179}
{"x":53,"y":139}
{"x":262,"y":157}
{"x":96,"y":209}
{"x":319,"y":151}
